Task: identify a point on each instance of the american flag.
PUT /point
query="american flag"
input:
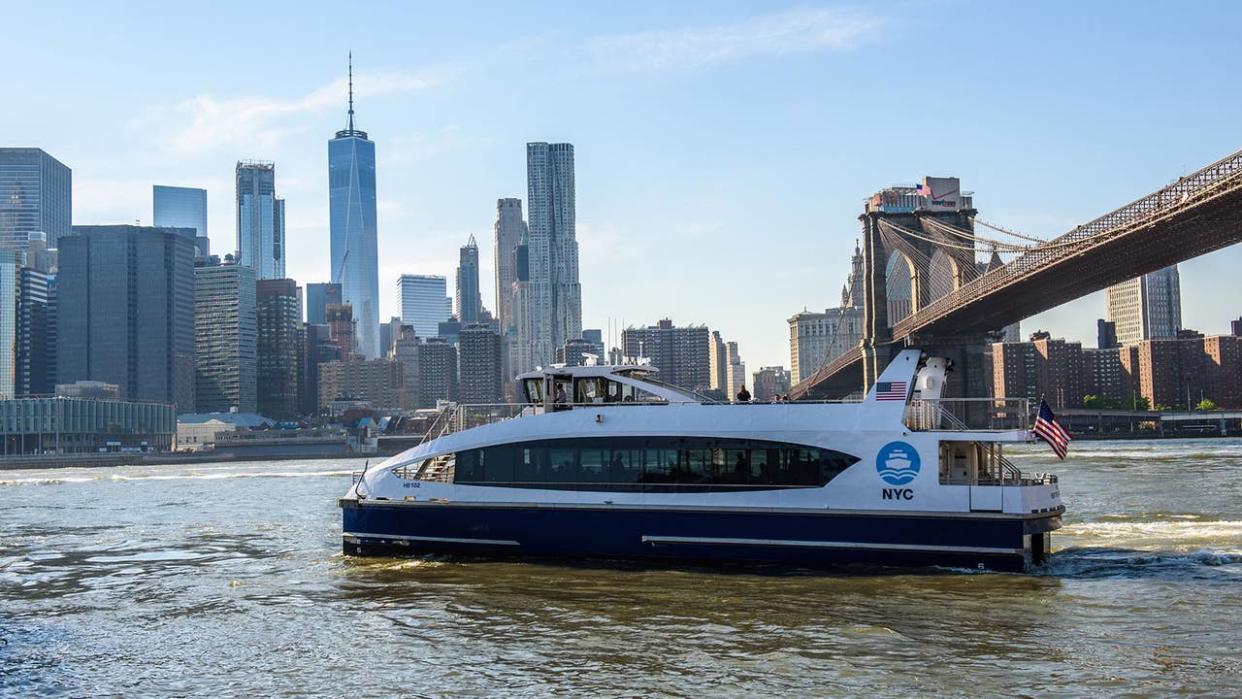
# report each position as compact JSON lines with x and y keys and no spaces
{"x":1048,"y":429}
{"x":890,"y":390}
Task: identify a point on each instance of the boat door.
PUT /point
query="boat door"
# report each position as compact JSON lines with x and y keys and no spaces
{"x":969,"y":464}
{"x":986,"y":498}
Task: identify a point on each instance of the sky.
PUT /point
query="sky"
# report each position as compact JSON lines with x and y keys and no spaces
{"x":723,"y":149}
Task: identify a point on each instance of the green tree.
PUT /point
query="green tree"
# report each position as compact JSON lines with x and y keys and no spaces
{"x":1140,"y":403}
{"x":1206,"y":405}
{"x":1093,"y":401}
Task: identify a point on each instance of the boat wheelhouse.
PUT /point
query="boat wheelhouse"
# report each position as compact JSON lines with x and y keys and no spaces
{"x":610,"y":462}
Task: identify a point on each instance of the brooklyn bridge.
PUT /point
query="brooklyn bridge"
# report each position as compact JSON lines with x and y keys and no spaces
{"x":923,"y":242}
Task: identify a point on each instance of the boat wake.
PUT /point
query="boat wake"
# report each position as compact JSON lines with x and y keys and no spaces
{"x":1100,"y":562}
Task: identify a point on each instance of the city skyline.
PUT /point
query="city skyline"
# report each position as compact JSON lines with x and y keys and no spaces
{"x":704,"y":176}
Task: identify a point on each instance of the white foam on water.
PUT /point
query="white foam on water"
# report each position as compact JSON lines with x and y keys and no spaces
{"x":48,"y":481}
{"x":228,"y":474}
{"x":1227,"y":532}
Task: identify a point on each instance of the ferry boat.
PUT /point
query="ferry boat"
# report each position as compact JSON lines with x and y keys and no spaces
{"x":610,"y":462}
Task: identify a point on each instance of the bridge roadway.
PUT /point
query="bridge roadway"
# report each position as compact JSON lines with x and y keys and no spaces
{"x":1195,"y":215}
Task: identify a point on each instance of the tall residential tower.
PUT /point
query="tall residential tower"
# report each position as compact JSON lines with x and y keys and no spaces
{"x":556,"y":295}
{"x":351,"y":192}
{"x":469,"y":303}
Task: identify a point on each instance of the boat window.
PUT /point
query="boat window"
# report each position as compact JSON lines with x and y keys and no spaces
{"x":652,"y":464}
{"x":562,"y":391}
{"x":534,"y":390}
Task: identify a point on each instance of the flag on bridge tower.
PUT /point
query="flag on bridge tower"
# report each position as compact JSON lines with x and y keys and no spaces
{"x":1048,"y":429}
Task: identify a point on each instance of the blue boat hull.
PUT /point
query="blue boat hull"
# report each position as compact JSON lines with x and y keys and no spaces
{"x":803,"y":538}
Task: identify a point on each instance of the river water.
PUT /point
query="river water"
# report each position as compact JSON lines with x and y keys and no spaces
{"x":227,"y":580}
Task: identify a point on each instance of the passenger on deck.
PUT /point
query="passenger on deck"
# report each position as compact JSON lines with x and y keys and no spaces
{"x":743,"y":396}
{"x":560,"y":400}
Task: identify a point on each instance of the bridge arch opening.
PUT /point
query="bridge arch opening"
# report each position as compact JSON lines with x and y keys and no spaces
{"x":900,"y":284}
{"x":943,"y":275}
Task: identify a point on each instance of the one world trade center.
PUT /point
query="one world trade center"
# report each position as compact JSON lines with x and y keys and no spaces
{"x":351,"y":192}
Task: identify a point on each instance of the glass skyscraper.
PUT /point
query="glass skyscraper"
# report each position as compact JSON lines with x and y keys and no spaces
{"x":182,"y":207}
{"x":36,"y":195}
{"x":125,"y":309}
{"x":260,"y":220}
{"x":424,"y":303}
{"x":351,"y":192}
{"x":318,"y":297}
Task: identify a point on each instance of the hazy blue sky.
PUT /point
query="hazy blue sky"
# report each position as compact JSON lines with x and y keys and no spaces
{"x":724,"y":149}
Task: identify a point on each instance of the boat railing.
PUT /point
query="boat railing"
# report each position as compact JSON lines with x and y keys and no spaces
{"x":457,"y":417}
{"x":967,"y":414}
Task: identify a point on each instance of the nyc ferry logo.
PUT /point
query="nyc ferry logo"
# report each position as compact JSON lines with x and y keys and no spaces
{"x":898,"y":464}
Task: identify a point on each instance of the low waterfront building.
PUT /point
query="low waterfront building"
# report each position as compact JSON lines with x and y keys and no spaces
{"x":63,"y":425}
{"x":89,"y":389}
{"x":199,"y":431}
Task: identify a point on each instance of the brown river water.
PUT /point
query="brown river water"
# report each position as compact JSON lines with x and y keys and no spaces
{"x":226,"y":580}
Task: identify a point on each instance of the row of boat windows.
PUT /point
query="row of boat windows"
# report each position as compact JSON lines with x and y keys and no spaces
{"x":657,"y":464}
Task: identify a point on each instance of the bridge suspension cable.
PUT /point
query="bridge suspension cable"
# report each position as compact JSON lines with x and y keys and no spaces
{"x":1006,"y":231}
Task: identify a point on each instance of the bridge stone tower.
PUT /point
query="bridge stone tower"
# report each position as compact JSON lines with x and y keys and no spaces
{"x":918,"y":245}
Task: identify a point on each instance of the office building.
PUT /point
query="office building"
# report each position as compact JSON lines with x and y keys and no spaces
{"x":374,"y":381}
{"x":340,"y":317}
{"x":1106,"y":334}
{"x":469,"y":304}
{"x":1147,"y":307}
{"x":226,"y":338}
{"x":735,"y":371}
{"x":555,"y":294}
{"x":507,"y":233}
{"x":279,"y":347}
{"x":574,"y":352}
{"x":405,"y":352}
{"x":595,"y":337}
{"x":36,"y":196}
{"x":317,"y":348}
{"x":680,"y":353}
{"x":351,"y":194}
{"x":318,"y":298}
{"x":10,"y":286}
{"x":769,"y":383}
{"x":36,"y":334}
{"x":520,"y":335}
{"x":479,"y":357}
{"x":182,"y":207}
{"x":389,"y":332}
{"x":817,"y":338}
{"x":437,"y":372}
{"x":260,"y":220}
{"x":717,"y":362}
{"x":64,"y":425}
{"x":125,"y":311}
{"x":424,"y":303}
{"x":1235,"y":327}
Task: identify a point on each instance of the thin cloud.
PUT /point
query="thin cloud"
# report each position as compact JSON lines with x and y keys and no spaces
{"x":796,"y":31}
{"x":260,"y":122}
